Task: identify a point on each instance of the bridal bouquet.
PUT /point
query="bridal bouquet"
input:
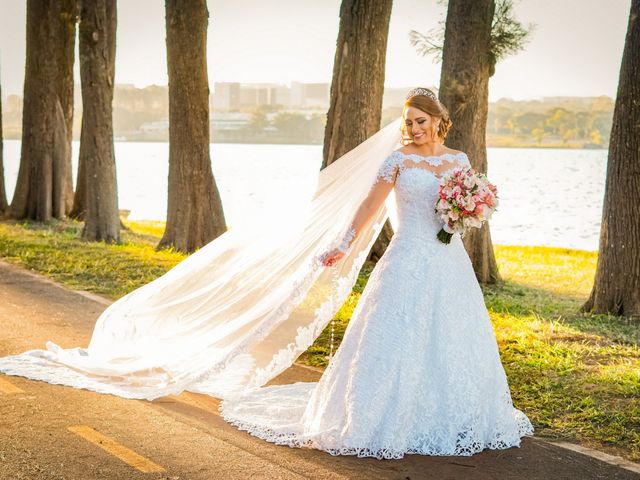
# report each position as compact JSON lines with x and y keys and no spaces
{"x":466,"y":198}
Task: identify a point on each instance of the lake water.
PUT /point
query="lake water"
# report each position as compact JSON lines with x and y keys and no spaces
{"x":547,"y":196}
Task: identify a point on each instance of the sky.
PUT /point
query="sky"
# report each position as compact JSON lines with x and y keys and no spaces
{"x":575,"y":47}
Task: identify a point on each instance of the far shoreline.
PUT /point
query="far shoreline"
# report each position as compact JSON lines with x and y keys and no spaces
{"x":263,"y":142}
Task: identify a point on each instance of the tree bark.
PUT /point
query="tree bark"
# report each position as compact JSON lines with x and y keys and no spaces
{"x":467,"y":65}
{"x":194,"y":210}
{"x":357,"y":85}
{"x":616,"y":288}
{"x":3,"y":192}
{"x":98,"y":20}
{"x":44,"y":185}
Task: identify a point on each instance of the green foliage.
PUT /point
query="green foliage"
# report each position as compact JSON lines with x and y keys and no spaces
{"x":538,"y":134}
{"x":300,"y":126}
{"x":557,"y":122}
{"x":258,"y":120}
{"x":430,"y":44}
{"x":508,"y":36}
{"x":575,"y":375}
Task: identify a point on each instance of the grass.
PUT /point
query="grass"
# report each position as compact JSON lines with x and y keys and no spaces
{"x":577,"y":376}
{"x":57,"y":251}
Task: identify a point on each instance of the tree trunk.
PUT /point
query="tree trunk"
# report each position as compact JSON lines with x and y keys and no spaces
{"x":3,"y":193}
{"x":464,"y":88}
{"x":616,"y":288}
{"x":97,"y":67}
{"x":43,"y":189}
{"x":194,"y":210}
{"x":357,"y":85}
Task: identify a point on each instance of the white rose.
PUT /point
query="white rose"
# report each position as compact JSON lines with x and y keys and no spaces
{"x":469,"y":182}
{"x":470,"y":205}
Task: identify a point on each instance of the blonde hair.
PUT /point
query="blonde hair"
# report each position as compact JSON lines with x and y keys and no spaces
{"x":431,"y":107}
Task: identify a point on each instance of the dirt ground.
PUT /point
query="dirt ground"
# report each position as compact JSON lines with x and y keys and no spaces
{"x":183,"y":437}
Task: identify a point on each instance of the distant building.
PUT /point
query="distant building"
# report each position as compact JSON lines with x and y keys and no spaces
{"x":229,"y":97}
{"x":258,"y":95}
{"x":226,"y":96}
{"x":309,"y":95}
{"x":283,"y":96}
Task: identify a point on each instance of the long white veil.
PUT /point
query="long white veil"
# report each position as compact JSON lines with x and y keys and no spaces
{"x":238,"y":311}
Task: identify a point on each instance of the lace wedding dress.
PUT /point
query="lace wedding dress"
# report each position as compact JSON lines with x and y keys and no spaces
{"x":418,"y":369}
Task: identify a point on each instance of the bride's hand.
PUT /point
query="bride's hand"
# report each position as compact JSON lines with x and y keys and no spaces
{"x":331,"y":257}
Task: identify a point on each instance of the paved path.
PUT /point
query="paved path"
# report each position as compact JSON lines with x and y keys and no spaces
{"x":56,"y":432}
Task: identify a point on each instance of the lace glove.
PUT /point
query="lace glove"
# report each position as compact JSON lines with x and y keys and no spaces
{"x":330,"y":257}
{"x":347,"y":240}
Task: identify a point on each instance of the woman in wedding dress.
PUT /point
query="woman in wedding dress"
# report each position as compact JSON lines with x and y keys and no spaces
{"x":418,"y":370}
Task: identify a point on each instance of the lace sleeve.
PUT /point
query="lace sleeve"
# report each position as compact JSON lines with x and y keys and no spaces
{"x":464,"y":160}
{"x":384,"y":181}
{"x":389,"y":168}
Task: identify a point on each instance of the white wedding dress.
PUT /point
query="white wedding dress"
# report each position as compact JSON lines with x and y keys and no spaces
{"x":418,"y":370}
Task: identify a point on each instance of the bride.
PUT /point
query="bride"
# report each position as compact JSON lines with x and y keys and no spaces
{"x":418,"y":370}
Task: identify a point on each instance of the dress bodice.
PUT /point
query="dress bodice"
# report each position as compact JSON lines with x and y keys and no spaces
{"x":417,"y":180}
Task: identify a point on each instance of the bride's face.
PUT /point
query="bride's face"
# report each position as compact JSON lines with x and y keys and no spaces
{"x":422,"y":128}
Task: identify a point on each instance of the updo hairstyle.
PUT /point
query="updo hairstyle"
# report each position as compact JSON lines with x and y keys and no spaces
{"x":425,"y":100}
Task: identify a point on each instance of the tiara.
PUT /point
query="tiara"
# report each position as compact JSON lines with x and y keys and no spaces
{"x":421,"y":91}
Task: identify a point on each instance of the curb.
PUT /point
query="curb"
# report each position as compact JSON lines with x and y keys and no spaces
{"x":47,"y":281}
{"x":598,"y":455}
